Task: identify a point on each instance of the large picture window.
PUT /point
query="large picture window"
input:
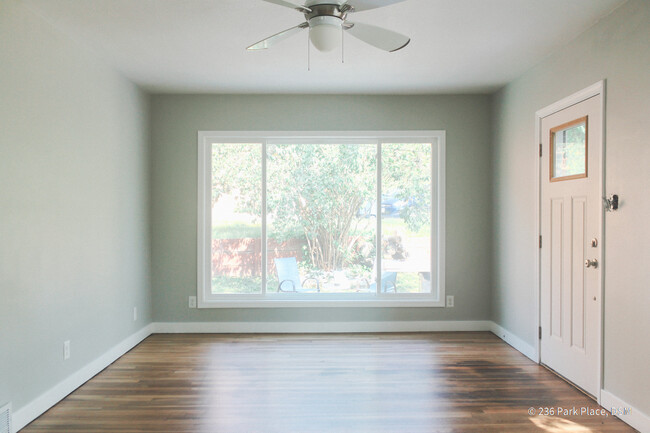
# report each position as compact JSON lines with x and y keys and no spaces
{"x":337,"y":219}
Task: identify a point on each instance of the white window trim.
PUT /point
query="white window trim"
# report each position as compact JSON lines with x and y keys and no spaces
{"x":266,"y":300}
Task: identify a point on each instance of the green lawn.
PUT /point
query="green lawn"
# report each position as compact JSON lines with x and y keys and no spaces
{"x":389,"y":225}
{"x":237,"y":230}
{"x":408,"y":283}
{"x":234,"y":285}
{"x":240,"y":230}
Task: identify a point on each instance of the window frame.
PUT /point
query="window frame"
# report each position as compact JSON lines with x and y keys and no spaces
{"x":205,"y":299}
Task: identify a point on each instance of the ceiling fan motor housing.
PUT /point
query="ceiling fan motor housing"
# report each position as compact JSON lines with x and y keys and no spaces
{"x":310,"y":3}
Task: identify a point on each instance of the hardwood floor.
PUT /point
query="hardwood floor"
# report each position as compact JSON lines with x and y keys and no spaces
{"x":380,"y":383}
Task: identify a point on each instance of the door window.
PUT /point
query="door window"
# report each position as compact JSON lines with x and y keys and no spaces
{"x":569,"y":150}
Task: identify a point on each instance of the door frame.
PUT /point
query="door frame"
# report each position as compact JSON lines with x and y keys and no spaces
{"x":595,"y":89}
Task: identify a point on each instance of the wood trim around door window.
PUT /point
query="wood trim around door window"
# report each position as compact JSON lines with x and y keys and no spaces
{"x":551,"y":155}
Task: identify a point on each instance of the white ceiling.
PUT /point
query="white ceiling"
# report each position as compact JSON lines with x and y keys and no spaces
{"x":194,"y":46}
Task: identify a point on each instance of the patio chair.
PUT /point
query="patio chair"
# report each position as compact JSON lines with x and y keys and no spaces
{"x":287,"y":269}
{"x":388,"y":283}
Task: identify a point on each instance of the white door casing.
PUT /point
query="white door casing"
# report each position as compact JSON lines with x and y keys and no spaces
{"x":570,"y":218}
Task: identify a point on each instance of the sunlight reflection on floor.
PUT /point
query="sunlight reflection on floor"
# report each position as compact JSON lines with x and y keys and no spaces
{"x":558,"y":425}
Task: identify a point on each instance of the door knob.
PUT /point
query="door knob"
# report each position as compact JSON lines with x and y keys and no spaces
{"x":591,"y":263}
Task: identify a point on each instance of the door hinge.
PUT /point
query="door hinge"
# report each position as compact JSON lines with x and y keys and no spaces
{"x":540,"y":241}
{"x":540,"y":332}
{"x":540,"y":150}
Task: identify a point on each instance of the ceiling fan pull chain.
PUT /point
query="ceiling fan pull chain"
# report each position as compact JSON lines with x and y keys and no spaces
{"x":342,"y":46}
{"x":308,"y":54}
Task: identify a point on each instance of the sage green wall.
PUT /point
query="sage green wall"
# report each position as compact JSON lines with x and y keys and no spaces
{"x":175,"y":121}
{"x":74,"y":231}
{"x":616,"y":49}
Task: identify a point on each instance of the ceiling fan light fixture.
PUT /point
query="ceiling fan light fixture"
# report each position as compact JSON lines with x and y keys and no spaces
{"x":325,"y":32}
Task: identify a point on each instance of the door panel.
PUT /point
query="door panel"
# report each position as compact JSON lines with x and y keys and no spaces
{"x":577,"y":272}
{"x":570,"y":217}
{"x":557,"y":220}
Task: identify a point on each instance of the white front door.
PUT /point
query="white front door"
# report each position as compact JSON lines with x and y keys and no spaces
{"x":571,"y":244}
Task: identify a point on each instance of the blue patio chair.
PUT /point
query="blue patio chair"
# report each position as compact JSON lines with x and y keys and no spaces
{"x":287,"y":269}
{"x":388,"y":283}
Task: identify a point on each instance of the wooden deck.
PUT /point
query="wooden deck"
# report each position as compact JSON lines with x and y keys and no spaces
{"x":380,"y":383}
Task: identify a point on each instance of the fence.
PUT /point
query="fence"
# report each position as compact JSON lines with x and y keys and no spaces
{"x":243,"y":257}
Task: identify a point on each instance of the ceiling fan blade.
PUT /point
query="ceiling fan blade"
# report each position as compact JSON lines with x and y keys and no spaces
{"x":364,"y":5}
{"x":381,"y":38}
{"x":278,"y":37}
{"x":299,"y":8}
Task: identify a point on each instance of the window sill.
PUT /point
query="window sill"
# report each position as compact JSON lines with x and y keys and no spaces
{"x":301,"y":303}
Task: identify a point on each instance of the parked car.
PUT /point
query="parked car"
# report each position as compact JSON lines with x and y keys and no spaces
{"x":391,"y":207}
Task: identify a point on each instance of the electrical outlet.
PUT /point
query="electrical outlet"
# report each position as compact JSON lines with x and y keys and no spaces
{"x":192,"y":302}
{"x":66,"y":350}
{"x":450,"y":301}
{"x":135,"y":313}
{"x":5,"y":418}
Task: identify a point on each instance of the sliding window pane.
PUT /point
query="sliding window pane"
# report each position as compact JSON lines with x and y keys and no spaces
{"x":321,"y":219}
{"x":236,"y":218}
{"x":406,"y":218}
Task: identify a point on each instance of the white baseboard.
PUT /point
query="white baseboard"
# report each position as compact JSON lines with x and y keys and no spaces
{"x":625,"y":411}
{"x":514,"y":341}
{"x":38,"y":406}
{"x":317,"y":327}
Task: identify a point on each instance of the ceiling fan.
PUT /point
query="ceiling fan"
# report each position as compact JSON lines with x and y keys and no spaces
{"x":327,"y":19}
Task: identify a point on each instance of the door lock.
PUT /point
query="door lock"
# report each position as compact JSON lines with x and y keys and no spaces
{"x":591,"y":263}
